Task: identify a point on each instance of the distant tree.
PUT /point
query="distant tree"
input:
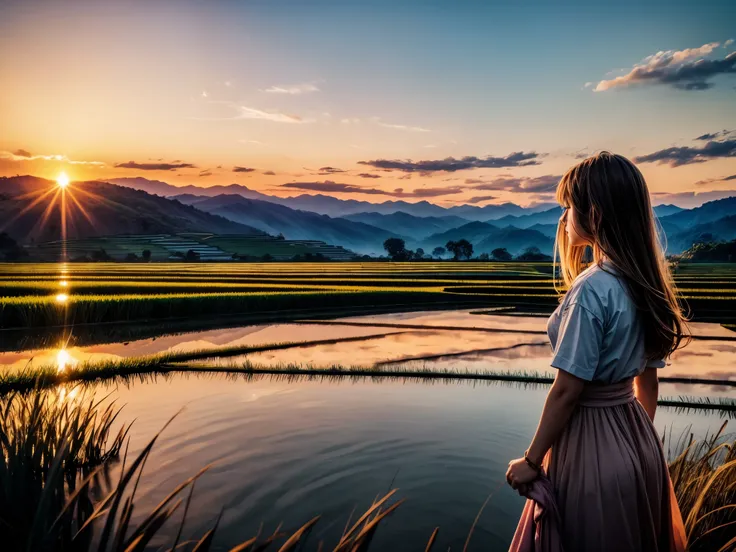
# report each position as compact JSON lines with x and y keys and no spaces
{"x":191,"y":256}
{"x":460,"y":249}
{"x":419,"y":254}
{"x":146,"y":255}
{"x":131,"y":258}
{"x":281,"y":236}
{"x":501,"y":254}
{"x":267,"y":257}
{"x":483,"y":257}
{"x":439,"y":252}
{"x":178,"y":254}
{"x":533,"y":254}
{"x":713,"y":252}
{"x":396,"y":249}
{"x":100,"y":256}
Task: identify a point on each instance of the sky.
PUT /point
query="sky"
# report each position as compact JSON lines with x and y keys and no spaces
{"x":447,"y":101}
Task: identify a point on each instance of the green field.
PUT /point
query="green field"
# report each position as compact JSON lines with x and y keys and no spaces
{"x":34,"y":295}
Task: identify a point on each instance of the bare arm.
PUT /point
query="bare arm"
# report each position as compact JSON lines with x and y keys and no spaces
{"x":561,"y":401}
{"x":646,"y":389}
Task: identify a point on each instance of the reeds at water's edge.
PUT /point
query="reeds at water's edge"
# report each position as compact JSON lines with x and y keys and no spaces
{"x":56,"y":448}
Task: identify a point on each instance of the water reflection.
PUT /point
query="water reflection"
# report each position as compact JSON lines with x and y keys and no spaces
{"x":286,"y":449}
{"x":63,"y":359}
{"x":442,"y":340}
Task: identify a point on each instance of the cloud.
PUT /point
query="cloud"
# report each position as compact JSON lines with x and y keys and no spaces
{"x":242,"y":169}
{"x":450,"y":164}
{"x":369,"y":175}
{"x":682,"y":69}
{"x":245,"y":112}
{"x":715,"y":135}
{"x":273,"y":116}
{"x":349,"y":121}
{"x":205,"y":172}
{"x":154,"y":166}
{"x":293,"y":89}
{"x":714,"y":180}
{"x":24,"y":155}
{"x":689,"y":200}
{"x":269,"y":173}
{"x":539,"y":184}
{"x":404,"y":127}
{"x":685,"y":155}
{"x":728,"y":43}
{"x":329,"y":170}
{"x":336,"y":187}
{"x":480,"y":199}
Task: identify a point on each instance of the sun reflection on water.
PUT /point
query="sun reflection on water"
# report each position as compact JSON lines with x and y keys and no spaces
{"x":63,"y":359}
{"x":62,"y":298}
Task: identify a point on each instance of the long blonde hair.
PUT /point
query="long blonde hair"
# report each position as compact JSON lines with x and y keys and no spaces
{"x":611,"y":202}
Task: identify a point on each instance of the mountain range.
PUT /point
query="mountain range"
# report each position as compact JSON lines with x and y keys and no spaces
{"x":332,"y":206}
{"x":98,"y":209}
{"x":141,"y":206}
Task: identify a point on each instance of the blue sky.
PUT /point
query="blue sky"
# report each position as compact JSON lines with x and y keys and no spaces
{"x":292,"y":86}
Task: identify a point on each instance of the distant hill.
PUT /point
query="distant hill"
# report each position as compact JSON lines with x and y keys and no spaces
{"x":666,"y":210}
{"x":708,"y":212}
{"x":98,"y":209}
{"x":335,"y":207}
{"x":296,"y":224}
{"x":409,"y":225}
{"x":486,"y":237}
{"x":332,"y":206}
{"x":167,"y":190}
{"x":721,"y":230}
{"x":714,"y":252}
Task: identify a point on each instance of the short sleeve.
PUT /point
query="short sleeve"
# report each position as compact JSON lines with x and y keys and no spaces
{"x":656,"y":363}
{"x":578,"y":346}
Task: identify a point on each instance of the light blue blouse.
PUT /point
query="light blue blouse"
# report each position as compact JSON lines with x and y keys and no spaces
{"x":596,"y":333}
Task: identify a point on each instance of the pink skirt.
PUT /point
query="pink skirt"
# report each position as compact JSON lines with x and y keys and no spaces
{"x":610,"y":483}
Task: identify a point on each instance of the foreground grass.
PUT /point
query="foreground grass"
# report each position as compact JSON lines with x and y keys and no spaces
{"x":58,"y":500}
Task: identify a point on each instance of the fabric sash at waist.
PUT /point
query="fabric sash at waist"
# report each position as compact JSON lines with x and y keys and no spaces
{"x":601,"y":395}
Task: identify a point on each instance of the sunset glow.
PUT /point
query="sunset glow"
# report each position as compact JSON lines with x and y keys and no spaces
{"x":62,"y":298}
{"x":62,"y":180}
{"x":256,"y":109}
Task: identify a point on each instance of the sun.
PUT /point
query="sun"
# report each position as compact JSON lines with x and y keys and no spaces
{"x":62,"y":180}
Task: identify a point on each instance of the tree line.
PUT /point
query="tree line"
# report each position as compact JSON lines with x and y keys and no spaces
{"x":460,"y":250}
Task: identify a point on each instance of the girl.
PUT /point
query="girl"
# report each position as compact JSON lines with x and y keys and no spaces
{"x":618,"y":322}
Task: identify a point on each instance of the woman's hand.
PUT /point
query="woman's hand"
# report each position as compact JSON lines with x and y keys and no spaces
{"x":520,"y":474}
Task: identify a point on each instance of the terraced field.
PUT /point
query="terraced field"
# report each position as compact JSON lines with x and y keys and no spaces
{"x":57,"y":294}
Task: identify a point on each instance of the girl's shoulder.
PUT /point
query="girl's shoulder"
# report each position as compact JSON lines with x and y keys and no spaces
{"x":598,"y":289}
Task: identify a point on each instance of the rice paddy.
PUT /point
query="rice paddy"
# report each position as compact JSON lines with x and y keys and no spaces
{"x":36,"y":295}
{"x":337,"y":390}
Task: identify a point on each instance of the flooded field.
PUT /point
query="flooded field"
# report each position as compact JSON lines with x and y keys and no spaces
{"x":286,"y":448}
